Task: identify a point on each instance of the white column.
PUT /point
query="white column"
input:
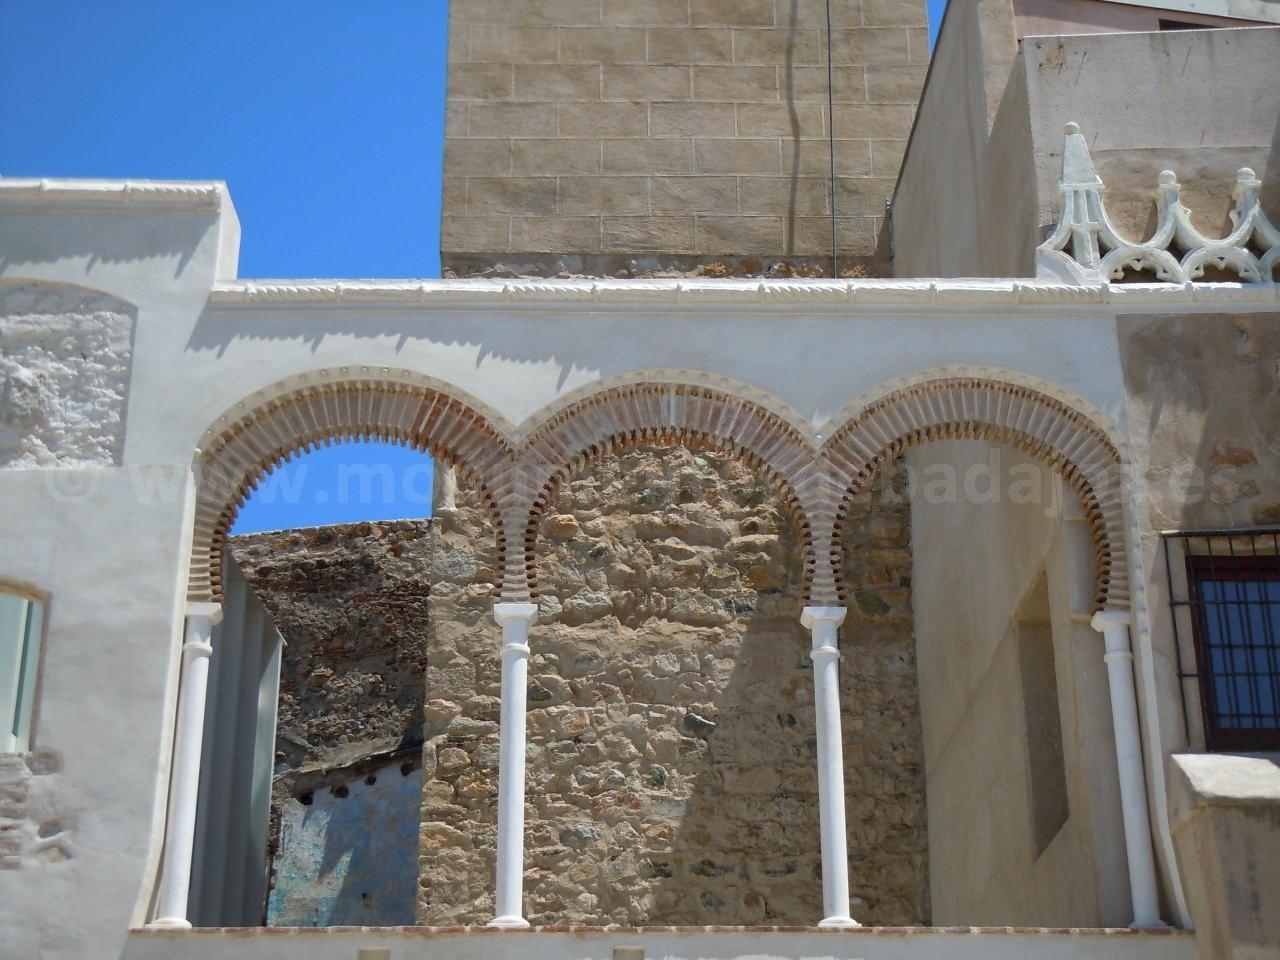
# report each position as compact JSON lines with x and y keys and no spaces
{"x":1114,"y":627}
{"x":515,"y":619}
{"x":823,"y":622}
{"x":184,"y":777}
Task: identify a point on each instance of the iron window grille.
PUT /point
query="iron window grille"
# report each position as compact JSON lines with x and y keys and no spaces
{"x":1229,"y":603}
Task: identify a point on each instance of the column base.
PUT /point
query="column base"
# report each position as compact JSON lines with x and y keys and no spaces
{"x":838,"y":922}
{"x":170,"y":923}
{"x":509,"y":923}
{"x":1156,"y":924}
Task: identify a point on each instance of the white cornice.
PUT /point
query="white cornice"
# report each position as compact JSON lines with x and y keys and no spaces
{"x":822,"y":295}
{"x":112,"y":195}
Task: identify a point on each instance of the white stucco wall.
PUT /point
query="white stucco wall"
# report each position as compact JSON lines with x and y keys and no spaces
{"x":978,"y":188}
{"x":111,"y":558}
{"x":975,"y":557}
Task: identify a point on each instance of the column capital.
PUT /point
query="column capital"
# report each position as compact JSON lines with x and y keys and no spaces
{"x":526,"y":612}
{"x":206,"y":610}
{"x":810,"y":616}
{"x":1110,"y":617}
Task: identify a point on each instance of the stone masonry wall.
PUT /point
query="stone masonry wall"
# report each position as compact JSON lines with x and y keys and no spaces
{"x":643,"y":137}
{"x":671,"y":760}
{"x":671,"y":768}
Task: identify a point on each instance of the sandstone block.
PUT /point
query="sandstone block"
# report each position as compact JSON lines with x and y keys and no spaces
{"x":885,"y":121}
{"x":481,"y":11}
{"x":890,"y":84}
{"x":549,"y":157}
{"x":691,"y":120}
{"x":886,"y":157}
{"x":645,"y":82}
{"x":611,"y":45}
{"x":662,"y":233}
{"x":539,"y":81}
{"x":561,"y":12}
{"x":805,"y":196}
{"x":803,"y":121}
{"x":682,"y":45}
{"x":757,"y":13}
{"x":555,"y":234}
{"x":809,"y":84}
{"x":488,"y":195}
{"x":477,"y":158}
{"x":511,"y":119}
{"x":777,"y":47}
{"x":479,"y":81}
{"x":603,"y":195}
{"x":863,"y":195}
{"x":685,"y":195}
{"x":498,"y":43}
{"x":903,"y":13}
{"x":731,"y":235}
{"x":475,"y":234}
{"x":647,"y":12}
{"x":648,"y":156}
{"x":738,"y":156}
{"x":603,"y":119}
{"x":872,"y":46}
{"x":735,"y":83}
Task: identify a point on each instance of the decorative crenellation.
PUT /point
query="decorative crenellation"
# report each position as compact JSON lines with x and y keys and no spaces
{"x":517,"y":479}
{"x":1086,"y":247}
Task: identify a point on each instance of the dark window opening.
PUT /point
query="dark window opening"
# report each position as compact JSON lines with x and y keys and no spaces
{"x":1233,"y":595}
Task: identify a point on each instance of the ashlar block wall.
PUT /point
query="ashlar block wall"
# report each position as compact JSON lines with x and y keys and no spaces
{"x":639,"y":137}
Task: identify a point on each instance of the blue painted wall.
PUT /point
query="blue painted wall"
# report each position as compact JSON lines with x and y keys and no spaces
{"x":353,"y":860}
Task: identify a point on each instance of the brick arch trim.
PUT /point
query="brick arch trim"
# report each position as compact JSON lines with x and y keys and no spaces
{"x":698,"y":417}
{"x":1001,"y":412}
{"x":239,"y":452}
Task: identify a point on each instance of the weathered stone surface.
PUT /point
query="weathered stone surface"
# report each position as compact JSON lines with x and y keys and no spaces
{"x":677,"y":717}
{"x":671,"y":759}
{"x":65,"y":355}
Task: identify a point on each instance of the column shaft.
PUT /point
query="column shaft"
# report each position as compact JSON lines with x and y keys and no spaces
{"x":515,"y":619}
{"x":184,"y":778}
{"x":823,"y":622}
{"x":1114,"y":626}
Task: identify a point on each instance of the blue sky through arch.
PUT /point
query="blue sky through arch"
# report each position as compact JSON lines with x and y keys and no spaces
{"x":341,"y":483}
{"x":325,"y":117}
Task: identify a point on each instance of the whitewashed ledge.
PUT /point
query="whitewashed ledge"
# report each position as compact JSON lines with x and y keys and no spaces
{"x":818,"y":295}
{"x":658,"y":943}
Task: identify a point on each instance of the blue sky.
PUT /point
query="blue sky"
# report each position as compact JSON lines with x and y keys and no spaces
{"x":326,"y":119}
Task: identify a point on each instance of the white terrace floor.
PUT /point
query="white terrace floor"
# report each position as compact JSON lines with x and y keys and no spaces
{"x":659,"y":943}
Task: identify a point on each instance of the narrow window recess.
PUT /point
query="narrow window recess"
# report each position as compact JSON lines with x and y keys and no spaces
{"x":1224,"y":587}
{"x":21,"y":625}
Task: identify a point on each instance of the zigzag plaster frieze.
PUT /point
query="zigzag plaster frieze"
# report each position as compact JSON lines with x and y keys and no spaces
{"x":1000,"y":412}
{"x":839,"y":296}
{"x":106,"y":195}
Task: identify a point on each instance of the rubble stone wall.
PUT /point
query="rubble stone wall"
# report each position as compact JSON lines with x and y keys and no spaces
{"x":671,"y":763}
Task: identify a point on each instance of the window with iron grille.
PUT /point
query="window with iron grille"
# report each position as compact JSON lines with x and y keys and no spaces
{"x":1231,"y":597}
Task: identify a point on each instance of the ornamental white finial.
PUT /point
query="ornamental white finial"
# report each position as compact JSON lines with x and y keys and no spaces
{"x":1085,"y":247}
